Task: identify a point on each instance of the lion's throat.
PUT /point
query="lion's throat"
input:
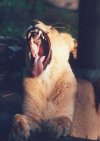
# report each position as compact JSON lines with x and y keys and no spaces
{"x":38,"y":66}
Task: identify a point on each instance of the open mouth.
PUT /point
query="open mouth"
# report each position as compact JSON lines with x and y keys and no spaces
{"x":39,"y":50}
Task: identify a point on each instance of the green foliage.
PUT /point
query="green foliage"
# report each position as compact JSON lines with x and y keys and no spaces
{"x":16,"y":16}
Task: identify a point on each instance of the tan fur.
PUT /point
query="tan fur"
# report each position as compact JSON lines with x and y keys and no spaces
{"x":86,"y":123}
{"x":72,"y":43}
{"x":55,"y":98}
{"x":50,"y":97}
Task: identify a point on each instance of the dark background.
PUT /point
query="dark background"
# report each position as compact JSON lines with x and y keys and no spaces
{"x":16,"y":16}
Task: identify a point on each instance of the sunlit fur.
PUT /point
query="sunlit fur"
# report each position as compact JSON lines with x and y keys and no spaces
{"x":86,"y":123}
{"x":56,"y":99}
{"x":50,"y":97}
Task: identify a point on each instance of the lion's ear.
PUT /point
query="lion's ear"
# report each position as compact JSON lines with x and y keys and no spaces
{"x":72,"y":43}
{"x":74,"y":49}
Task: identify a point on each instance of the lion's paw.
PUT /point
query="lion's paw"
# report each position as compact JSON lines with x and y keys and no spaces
{"x":20,"y":130}
{"x":58,"y":127}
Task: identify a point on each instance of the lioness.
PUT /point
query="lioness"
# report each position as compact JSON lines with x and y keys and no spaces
{"x":49,"y":84}
{"x":54,"y":100}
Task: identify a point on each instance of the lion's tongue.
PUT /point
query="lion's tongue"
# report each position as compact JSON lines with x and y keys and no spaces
{"x":38,"y":66}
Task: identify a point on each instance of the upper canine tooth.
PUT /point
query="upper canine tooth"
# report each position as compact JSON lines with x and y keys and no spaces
{"x":29,"y":35}
{"x":42,"y":36}
{"x":40,"y":32}
{"x":36,"y":30}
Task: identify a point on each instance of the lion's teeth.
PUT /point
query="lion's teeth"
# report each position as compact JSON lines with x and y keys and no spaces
{"x":40,"y":32}
{"x":42,"y":36}
{"x":29,"y":35}
{"x":30,"y":55}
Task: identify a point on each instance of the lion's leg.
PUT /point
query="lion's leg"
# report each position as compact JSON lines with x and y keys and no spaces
{"x":58,"y":127}
{"x":20,"y":130}
{"x":33,"y":106}
{"x":30,"y":121}
{"x":22,"y":125}
{"x":62,"y":103}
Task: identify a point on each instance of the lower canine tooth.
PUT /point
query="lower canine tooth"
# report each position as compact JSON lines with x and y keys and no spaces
{"x":30,"y":55}
{"x":42,"y":36}
{"x":29,"y":35}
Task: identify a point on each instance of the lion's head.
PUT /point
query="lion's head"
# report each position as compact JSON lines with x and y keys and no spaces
{"x":45,"y":44}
